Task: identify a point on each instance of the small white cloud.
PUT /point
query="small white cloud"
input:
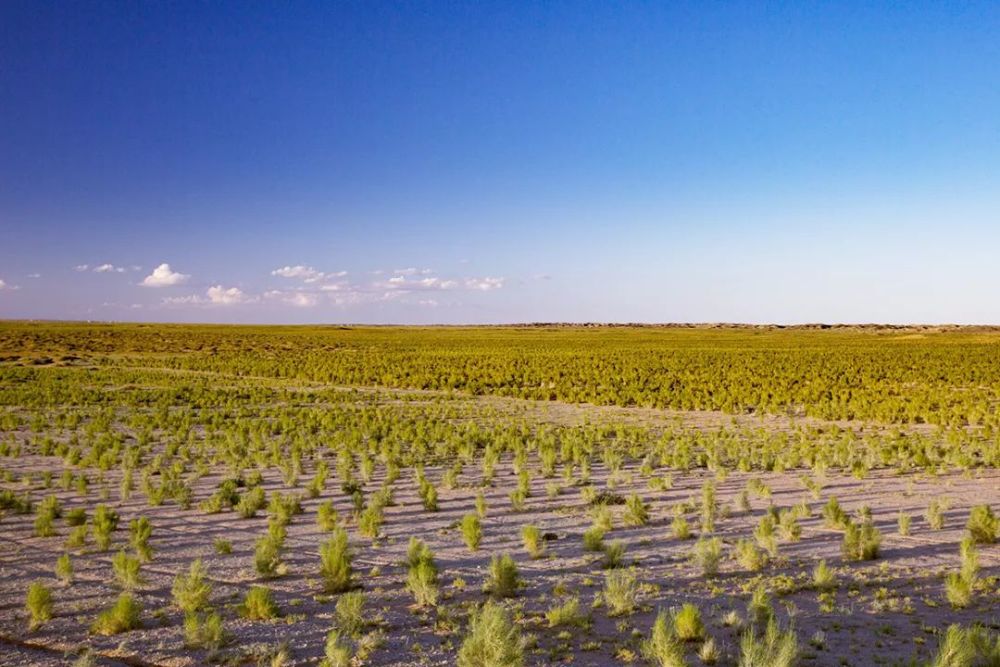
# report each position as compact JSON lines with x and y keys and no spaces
{"x":484,"y":284}
{"x":190,"y":300}
{"x":412,"y":271}
{"x":34,"y":275}
{"x":108,"y":268}
{"x":299,"y":272}
{"x":220,"y":295}
{"x":81,"y":267}
{"x":163,"y":276}
{"x":3,"y":285}
{"x":299,"y":299}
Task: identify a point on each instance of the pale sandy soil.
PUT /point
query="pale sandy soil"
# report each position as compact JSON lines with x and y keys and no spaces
{"x":886,"y":610}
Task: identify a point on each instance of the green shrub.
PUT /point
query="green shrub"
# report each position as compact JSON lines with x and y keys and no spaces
{"x":982,"y":525}
{"x":621,"y":592}
{"x":823,"y":578}
{"x":267,"y":556}
{"x":972,"y":647}
{"x":662,"y":648}
{"x":140,"y":530}
{"x":422,"y":576}
{"x":336,"y":653}
{"x":191,"y":590}
{"x":122,"y":617}
{"x":45,"y":518}
{"x":958,"y":590}
{"x":531,"y":536}
{"x":204,"y":631}
{"x":593,"y":539}
{"x":64,"y":569}
{"x":503,"y":577}
{"x":126,"y":569}
{"x":707,"y":554}
{"x":335,"y":563}
{"x":636,"y":513}
{"x":258,"y":605}
{"x":903,"y":523}
{"x":105,"y":523}
{"x":76,"y":517}
{"x":749,"y":556}
{"x":774,"y":648}
{"x":687,"y":623}
{"x":251,"y":502}
{"x":326,"y":517}
{"x":759,"y":609}
{"x":834,"y":515}
{"x":614,"y":555}
{"x":708,"y":507}
{"x":472,"y":531}
{"x":861,"y":541}
{"x":222,"y":546}
{"x":350,"y":612}
{"x":935,"y":514}
{"x":565,"y":614}
{"x":492,"y":640}
{"x":680,"y":528}
{"x":38,"y":602}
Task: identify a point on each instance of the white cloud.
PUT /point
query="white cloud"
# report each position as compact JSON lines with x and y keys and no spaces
{"x":108,"y":268}
{"x":163,"y":276}
{"x":81,"y":267}
{"x":220,"y":295}
{"x":411,"y":271}
{"x":34,"y":275}
{"x":299,"y":272}
{"x":8,"y":287}
{"x":484,"y":284}
{"x":433,"y":283}
{"x":3,"y":285}
{"x":189,"y":300}
{"x":299,"y":299}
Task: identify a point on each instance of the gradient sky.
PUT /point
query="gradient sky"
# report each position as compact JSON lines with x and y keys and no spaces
{"x":500,"y":162}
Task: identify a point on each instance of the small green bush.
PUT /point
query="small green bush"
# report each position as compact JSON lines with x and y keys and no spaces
{"x":503,"y":577}
{"x":38,"y":602}
{"x":861,"y":541}
{"x":982,"y":525}
{"x":122,"y":617}
{"x":707,"y":554}
{"x":472,"y":531}
{"x":140,"y":530}
{"x":105,"y":523}
{"x":191,"y":590}
{"x":64,"y":569}
{"x":335,"y":563}
{"x":662,"y":648}
{"x":258,"y":605}
{"x":621,"y":592}
{"x":350,"y":612}
{"x":687,"y":623}
{"x":493,"y":640}
{"x":774,"y":648}
{"x":531,"y":537}
{"x":127,"y":570}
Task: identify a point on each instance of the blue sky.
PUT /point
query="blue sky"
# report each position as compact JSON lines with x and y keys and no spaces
{"x":500,"y":162}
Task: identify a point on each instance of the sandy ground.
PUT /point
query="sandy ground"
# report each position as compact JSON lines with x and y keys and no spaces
{"x":886,"y":611}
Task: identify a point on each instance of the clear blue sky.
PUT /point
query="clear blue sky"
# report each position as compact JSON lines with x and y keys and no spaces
{"x":500,"y":162}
